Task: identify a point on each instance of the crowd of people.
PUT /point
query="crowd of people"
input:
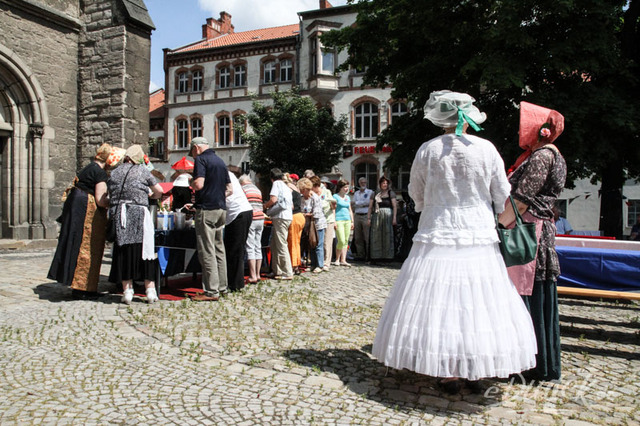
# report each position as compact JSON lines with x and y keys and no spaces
{"x":455,"y":311}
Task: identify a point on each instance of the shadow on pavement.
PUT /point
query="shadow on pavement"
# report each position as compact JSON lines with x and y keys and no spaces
{"x":55,"y":292}
{"x":401,"y":390}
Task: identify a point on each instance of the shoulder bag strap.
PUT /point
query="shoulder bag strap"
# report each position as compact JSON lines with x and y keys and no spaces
{"x":123,"y":182}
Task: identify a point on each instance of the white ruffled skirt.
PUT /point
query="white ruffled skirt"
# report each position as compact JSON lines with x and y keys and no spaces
{"x":453,"y":312}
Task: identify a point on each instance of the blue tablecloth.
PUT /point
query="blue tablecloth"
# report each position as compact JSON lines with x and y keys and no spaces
{"x":615,"y":270}
{"x":176,"y":251}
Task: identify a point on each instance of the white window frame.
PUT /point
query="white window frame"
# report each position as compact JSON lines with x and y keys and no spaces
{"x":398,"y":109}
{"x":269,"y":75}
{"x":370,"y":172}
{"x":366,"y":120}
{"x":328,"y":61}
{"x":196,"y":81}
{"x":183,"y":82}
{"x":239,"y":126}
{"x":286,"y":70}
{"x":196,"y":127}
{"x":240,"y":75}
{"x":183,"y":134}
{"x":224,"y":130}
{"x":225,"y":78}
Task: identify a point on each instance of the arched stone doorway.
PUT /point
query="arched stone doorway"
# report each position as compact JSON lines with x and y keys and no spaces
{"x":25,"y":178}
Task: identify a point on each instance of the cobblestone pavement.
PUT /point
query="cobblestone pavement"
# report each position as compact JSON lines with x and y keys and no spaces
{"x":276,"y":353}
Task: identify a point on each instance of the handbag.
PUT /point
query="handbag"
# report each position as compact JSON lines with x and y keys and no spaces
{"x":111,"y":225}
{"x":313,"y":234}
{"x":518,"y":245}
{"x":277,"y":207}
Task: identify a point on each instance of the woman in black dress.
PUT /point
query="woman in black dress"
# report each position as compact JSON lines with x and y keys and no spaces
{"x":81,"y":242}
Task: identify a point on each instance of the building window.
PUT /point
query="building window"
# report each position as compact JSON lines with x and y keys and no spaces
{"x":400,"y":180}
{"x":633,"y":211}
{"x":286,"y":70}
{"x":156,"y":147}
{"x":328,"y":61}
{"x":398,"y":109}
{"x":240,"y":76}
{"x":183,"y":134}
{"x":327,"y":58}
{"x":225,"y":78}
{"x":368,"y":171}
{"x":239,"y":126}
{"x":196,"y":128}
{"x":366,"y":117}
{"x":196,"y":81}
{"x":244,"y":166}
{"x":183,"y":80}
{"x":223,"y":131}
{"x":269,"y":72}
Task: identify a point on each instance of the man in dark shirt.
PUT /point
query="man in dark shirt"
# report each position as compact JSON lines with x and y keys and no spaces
{"x":212,"y":185}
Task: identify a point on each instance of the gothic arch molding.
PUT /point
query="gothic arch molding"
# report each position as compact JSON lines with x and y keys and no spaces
{"x":25,"y":175}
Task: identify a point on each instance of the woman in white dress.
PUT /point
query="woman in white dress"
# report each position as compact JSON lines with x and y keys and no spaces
{"x":453,"y":313}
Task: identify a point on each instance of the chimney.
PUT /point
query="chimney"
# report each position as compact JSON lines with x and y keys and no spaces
{"x":226,"y":27}
{"x":216,"y":27}
{"x":324,"y":4}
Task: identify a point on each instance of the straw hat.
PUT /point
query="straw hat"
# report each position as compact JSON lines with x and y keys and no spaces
{"x":443,"y":106}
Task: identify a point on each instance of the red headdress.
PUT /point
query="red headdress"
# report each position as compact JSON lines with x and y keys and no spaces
{"x":537,"y":123}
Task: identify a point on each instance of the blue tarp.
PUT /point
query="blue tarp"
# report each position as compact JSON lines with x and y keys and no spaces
{"x":615,"y":270}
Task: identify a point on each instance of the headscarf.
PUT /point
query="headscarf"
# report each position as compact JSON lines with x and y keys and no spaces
{"x":136,"y":154}
{"x":115,"y":156}
{"x":536,"y":123}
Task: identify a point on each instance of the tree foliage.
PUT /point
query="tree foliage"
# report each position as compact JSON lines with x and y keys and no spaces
{"x":580,"y":57}
{"x":292,"y":134}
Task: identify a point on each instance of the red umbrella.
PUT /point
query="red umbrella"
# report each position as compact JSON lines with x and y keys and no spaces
{"x":183,"y":164}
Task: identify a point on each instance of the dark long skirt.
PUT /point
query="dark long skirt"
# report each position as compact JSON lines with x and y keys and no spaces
{"x":381,"y":242}
{"x":127,"y":264}
{"x":81,"y":243}
{"x":543,"y":307}
{"x":235,"y":240}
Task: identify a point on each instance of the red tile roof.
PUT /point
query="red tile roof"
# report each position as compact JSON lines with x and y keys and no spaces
{"x":156,"y":102}
{"x":243,"y":37}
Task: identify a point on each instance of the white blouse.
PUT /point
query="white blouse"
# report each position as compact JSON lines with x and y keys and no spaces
{"x":454,"y":180}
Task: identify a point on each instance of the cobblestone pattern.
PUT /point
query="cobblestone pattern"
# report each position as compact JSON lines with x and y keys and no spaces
{"x":276,"y":353}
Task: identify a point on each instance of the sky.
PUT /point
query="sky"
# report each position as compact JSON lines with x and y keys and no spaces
{"x":179,"y":22}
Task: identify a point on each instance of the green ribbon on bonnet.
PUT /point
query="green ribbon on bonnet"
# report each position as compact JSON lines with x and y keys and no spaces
{"x":462,"y":117}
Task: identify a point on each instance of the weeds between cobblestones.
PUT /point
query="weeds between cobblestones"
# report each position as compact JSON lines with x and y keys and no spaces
{"x":276,"y":353}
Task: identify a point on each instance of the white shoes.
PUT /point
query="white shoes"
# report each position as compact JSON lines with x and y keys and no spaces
{"x":127,"y":296}
{"x":325,"y":268}
{"x":317,"y":270}
{"x":152,"y":296}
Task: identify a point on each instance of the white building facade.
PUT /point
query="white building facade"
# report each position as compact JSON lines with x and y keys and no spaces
{"x":210,"y":85}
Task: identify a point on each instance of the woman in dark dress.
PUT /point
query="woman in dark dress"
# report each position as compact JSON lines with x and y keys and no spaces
{"x":537,"y":178}
{"x":130,"y":187}
{"x":80,"y":248}
{"x":382,"y":218}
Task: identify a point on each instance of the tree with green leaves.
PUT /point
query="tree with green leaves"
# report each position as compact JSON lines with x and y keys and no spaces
{"x":292,"y":134}
{"x":580,"y":57}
